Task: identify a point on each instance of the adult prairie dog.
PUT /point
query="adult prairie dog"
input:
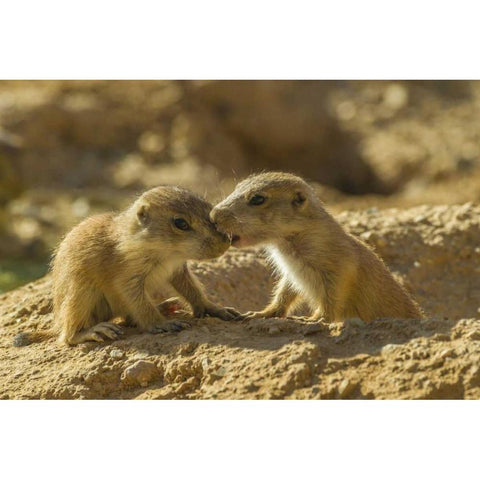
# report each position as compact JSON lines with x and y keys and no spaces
{"x":113,"y":265}
{"x":338,"y":275}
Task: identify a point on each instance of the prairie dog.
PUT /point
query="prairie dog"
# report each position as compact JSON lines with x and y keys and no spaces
{"x":112,"y":265}
{"x":337,"y":274}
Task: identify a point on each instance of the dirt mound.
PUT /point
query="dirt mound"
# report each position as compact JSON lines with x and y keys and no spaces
{"x":432,"y":250}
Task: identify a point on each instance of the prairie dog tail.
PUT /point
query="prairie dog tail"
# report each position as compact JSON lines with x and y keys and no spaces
{"x":23,"y":339}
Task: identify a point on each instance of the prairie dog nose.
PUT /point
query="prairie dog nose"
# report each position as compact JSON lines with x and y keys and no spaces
{"x":222,"y":216}
{"x":218,"y":214}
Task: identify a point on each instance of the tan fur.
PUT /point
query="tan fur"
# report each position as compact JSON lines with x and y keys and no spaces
{"x":337,"y":274}
{"x":114,"y":266}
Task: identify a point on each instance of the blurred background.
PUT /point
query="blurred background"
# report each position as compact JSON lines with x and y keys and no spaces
{"x":70,"y":149}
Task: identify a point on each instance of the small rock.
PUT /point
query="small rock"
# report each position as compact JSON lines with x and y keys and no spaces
{"x":475,"y":335}
{"x":116,"y":353}
{"x":186,"y":386}
{"x":446,"y":352}
{"x":366,"y":236}
{"x":273,"y":330}
{"x":297,"y":376}
{"x":140,"y":373}
{"x":390,"y":348}
{"x":220,"y":372}
{"x":474,"y":376}
{"x":419,"y":354}
{"x":411,"y":366}
{"x":346,"y":388}
{"x":187,"y":348}
{"x":205,"y":363}
{"x":140,"y":356}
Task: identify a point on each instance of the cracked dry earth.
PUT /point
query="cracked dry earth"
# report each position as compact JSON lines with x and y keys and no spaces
{"x":434,"y":251}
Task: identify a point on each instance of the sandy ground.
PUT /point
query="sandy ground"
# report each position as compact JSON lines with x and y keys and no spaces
{"x":433,"y":250}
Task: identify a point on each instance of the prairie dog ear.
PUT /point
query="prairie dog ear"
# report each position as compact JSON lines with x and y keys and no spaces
{"x":299,"y":199}
{"x":142,"y":214}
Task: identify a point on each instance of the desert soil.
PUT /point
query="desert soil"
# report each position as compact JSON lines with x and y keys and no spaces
{"x":434,"y":251}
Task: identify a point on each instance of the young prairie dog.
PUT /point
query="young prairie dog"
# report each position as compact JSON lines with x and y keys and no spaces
{"x":338,"y":275}
{"x":112,"y":265}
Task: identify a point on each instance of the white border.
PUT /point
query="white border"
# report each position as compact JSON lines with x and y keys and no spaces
{"x":239,"y":439}
{"x":155,"y":39}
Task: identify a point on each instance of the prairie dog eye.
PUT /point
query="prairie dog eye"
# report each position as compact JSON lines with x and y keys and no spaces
{"x":257,"y":200}
{"x":181,"y":224}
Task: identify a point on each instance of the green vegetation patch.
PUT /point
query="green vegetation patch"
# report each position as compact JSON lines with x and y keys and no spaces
{"x":14,"y":273}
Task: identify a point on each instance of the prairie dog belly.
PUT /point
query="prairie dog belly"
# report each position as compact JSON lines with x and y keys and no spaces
{"x":302,"y":277}
{"x":157,"y":283}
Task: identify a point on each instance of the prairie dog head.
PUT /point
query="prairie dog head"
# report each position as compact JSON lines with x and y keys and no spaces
{"x":264,"y":208}
{"x":176,"y":221}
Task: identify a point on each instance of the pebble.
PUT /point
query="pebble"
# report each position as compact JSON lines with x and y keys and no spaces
{"x":187,"y":348}
{"x":366,"y":236}
{"x":140,"y":356}
{"x":140,"y":373}
{"x":411,"y":366}
{"x":346,"y":388}
{"x":475,"y":335}
{"x":446,"y":352}
{"x":220,"y":372}
{"x":390,"y":348}
{"x":116,"y":353}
